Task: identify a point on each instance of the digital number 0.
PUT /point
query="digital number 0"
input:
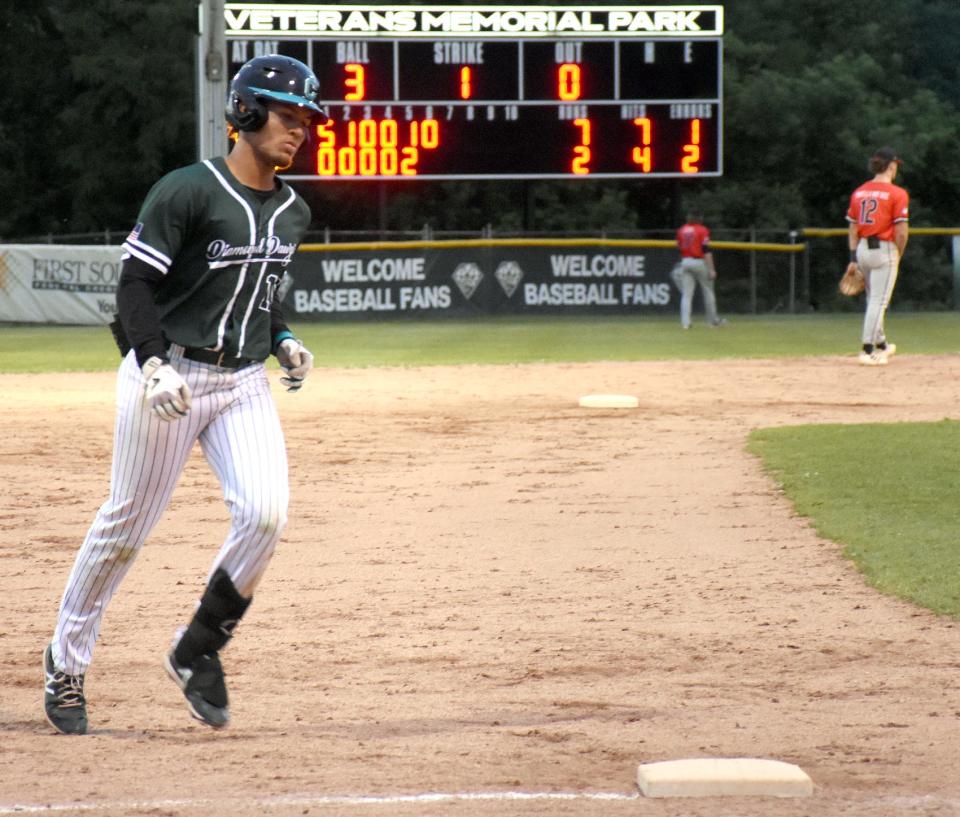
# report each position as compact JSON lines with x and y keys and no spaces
{"x":568,"y":81}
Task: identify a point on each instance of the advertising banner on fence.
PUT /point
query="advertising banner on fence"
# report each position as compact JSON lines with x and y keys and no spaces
{"x":461,"y":281}
{"x":46,"y":283}
{"x":77,"y":284}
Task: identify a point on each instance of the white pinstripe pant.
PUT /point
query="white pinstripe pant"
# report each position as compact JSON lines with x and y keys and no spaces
{"x":880,"y":268}
{"x":235,"y":420}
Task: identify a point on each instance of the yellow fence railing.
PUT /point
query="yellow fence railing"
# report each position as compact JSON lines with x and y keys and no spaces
{"x":748,"y":246}
{"x":829,"y":232}
{"x":755,"y":246}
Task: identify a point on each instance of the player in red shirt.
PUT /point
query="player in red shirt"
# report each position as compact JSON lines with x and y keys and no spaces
{"x":879,"y":216}
{"x":696,"y":267}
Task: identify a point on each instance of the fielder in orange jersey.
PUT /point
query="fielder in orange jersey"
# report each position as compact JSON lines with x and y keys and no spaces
{"x":879,"y":215}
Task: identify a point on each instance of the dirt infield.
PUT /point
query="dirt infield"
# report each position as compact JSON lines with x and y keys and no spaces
{"x":487,"y":590}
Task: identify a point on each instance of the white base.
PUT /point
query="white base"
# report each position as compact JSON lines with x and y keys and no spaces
{"x":711,"y":777}
{"x":609,"y":401}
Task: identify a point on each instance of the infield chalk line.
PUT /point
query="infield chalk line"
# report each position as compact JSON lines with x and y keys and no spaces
{"x":318,"y":800}
{"x":902,"y":801}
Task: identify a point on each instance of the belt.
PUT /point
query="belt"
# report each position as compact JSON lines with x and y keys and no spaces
{"x":220,"y":359}
{"x":873,"y":242}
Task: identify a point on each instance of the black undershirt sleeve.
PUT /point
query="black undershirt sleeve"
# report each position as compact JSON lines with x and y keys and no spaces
{"x":136,"y":306}
{"x":278,"y":322}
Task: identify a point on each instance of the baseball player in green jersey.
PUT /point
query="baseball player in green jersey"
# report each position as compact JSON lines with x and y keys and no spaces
{"x":197,"y":303}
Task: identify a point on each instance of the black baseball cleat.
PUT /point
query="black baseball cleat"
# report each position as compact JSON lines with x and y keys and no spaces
{"x":63,"y":701}
{"x":203,"y":686}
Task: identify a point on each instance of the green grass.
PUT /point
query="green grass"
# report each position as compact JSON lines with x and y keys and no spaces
{"x":887,"y":493}
{"x":32,"y":348}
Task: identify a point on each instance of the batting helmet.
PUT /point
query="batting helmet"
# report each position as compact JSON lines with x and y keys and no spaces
{"x":273,"y":77}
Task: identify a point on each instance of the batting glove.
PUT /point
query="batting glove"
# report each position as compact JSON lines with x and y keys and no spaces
{"x":296,"y":361}
{"x":165,"y":392}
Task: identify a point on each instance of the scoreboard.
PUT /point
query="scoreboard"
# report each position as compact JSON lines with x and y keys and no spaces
{"x":500,"y":92}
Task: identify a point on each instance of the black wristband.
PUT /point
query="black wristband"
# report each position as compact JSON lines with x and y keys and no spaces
{"x":853,"y":256}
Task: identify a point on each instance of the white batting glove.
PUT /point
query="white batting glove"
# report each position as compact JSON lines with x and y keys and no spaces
{"x":296,"y":361}
{"x":165,"y":392}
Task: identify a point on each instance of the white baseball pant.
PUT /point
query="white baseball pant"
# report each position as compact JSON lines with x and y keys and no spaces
{"x":235,"y":420}
{"x":880,"y":267}
{"x":694,"y":271}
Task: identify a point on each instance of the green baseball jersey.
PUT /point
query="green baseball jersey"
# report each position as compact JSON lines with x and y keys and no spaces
{"x":222,"y":250}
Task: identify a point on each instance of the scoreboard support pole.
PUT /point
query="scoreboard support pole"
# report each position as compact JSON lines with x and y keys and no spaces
{"x":211,"y":80}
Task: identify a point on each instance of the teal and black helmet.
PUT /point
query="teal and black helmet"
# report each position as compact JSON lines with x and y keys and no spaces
{"x":270,"y":78}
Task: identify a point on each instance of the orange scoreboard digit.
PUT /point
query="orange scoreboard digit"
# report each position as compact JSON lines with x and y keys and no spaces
{"x":500,"y":92}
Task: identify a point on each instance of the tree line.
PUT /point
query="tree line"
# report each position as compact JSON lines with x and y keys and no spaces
{"x":100,"y":101}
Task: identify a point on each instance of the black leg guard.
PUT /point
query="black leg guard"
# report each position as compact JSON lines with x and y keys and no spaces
{"x":221,"y":608}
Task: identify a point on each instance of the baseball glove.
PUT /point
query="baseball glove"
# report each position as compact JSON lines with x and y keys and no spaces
{"x":852,"y":282}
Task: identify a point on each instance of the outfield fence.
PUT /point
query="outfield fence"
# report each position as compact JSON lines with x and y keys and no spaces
{"x":426,"y":273}
{"x":496,"y":276}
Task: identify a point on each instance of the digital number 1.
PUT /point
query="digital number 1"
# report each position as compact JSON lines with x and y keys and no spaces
{"x":689,"y":163}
